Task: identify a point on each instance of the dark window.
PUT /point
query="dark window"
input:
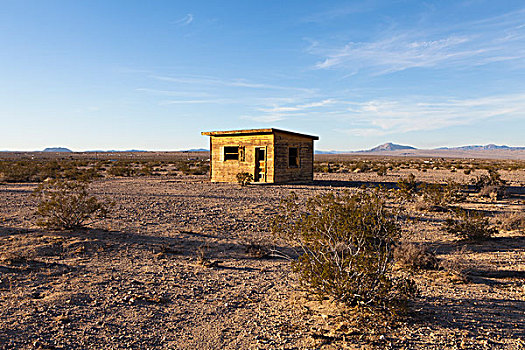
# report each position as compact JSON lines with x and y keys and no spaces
{"x":293,"y":157}
{"x":231,"y":153}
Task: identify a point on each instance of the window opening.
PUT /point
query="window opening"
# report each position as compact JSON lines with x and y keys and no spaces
{"x":293,"y":157}
{"x":231,"y":153}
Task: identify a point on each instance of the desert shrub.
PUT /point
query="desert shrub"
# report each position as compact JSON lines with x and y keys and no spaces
{"x":37,"y":171}
{"x":512,"y":221}
{"x":441,"y":195}
{"x":203,"y":257}
{"x":324,"y":168}
{"x":492,"y":191}
{"x":491,"y":185}
{"x":381,"y":171}
{"x":470,"y":225}
{"x":198,"y":169}
{"x":415,"y":256}
{"x":75,"y":173}
{"x":457,"y":264}
{"x":146,"y":170}
{"x":345,"y":244}
{"x":121,"y":170}
{"x":65,"y":204}
{"x":244,"y":178}
{"x":21,"y":171}
{"x":257,"y":247}
{"x":360,"y":166}
{"x":193,"y":167}
{"x":408,"y":187}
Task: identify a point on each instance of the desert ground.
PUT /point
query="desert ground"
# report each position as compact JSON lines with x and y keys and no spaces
{"x":182,"y":263}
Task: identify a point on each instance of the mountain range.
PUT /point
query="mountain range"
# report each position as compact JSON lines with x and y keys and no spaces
{"x":57,"y":149}
{"x":390,"y":147}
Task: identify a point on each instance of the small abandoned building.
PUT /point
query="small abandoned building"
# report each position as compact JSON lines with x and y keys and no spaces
{"x":270,"y":155}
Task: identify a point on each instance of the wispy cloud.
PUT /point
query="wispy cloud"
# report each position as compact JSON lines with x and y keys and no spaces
{"x":297,"y":107}
{"x":471,"y":44}
{"x":178,"y":93}
{"x":213,"y":81}
{"x":383,"y":117}
{"x":339,"y":12}
{"x":184,"y":21}
{"x":199,"y":101}
{"x":270,"y":117}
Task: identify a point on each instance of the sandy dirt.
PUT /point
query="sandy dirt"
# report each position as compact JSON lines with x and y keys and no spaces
{"x":170,"y":269}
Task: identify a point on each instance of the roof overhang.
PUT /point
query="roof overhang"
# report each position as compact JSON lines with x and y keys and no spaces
{"x":256,"y":132}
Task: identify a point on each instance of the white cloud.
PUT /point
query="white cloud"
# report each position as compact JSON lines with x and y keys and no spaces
{"x":270,"y":117}
{"x":204,"y":80}
{"x":339,"y":11}
{"x":297,"y":107}
{"x":383,"y":117}
{"x":212,"y":81}
{"x":208,"y":101}
{"x":184,"y":21}
{"x":178,"y":93}
{"x":484,"y":43}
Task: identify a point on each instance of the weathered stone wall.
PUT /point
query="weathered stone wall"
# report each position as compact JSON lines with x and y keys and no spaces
{"x":227,"y":170}
{"x":304,"y":172}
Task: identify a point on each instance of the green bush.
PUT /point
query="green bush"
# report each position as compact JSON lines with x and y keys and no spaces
{"x":470,"y":225}
{"x":65,"y":204}
{"x":345,"y":242}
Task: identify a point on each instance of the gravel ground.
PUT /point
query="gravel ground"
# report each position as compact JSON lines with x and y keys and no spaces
{"x":170,"y":269}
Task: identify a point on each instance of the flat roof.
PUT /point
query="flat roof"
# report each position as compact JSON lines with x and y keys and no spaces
{"x":255,"y":132}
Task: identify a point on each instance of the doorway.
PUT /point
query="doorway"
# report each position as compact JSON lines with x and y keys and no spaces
{"x":260,"y":164}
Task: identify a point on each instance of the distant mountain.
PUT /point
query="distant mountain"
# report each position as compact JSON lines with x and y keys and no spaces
{"x":196,"y":150}
{"x":138,"y":150}
{"x":57,"y":149}
{"x":489,"y":147}
{"x":329,"y":152}
{"x":389,"y":146}
{"x":114,"y":151}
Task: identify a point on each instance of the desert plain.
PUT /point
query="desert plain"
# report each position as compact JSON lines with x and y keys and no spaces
{"x":183,"y":263}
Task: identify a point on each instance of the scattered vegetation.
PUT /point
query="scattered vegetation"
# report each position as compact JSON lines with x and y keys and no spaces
{"x":86,"y":170}
{"x":66,"y":204}
{"x":470,"y":225}
{"x":440,"y":196}
{"x":346,"y":244}
{"x":37,"y":171}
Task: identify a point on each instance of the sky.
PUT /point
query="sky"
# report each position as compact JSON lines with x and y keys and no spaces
{"x":151,"y":75}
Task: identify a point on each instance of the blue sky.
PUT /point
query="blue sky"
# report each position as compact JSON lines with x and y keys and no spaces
{"x":154,"y":74}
